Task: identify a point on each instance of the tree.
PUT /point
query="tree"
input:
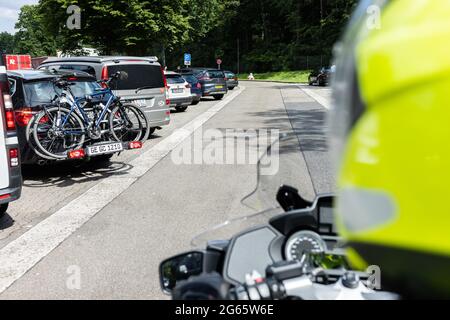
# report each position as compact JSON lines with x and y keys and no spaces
{"x":271,"y":34}
{"x":31,"y":37}
{"x":120,"y":26}
{"x":6,"y":43}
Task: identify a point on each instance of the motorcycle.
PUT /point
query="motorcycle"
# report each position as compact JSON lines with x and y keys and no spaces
{"x":290,"y":249}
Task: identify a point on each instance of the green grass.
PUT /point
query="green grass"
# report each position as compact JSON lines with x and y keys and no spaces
{"x":283,"y":76}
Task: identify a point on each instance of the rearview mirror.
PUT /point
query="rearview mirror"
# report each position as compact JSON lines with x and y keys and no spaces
{"x":179,"y":268}
{"x":289,"y":199}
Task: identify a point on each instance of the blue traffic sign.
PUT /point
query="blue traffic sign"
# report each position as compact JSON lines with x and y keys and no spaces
{"x":187,"y":59}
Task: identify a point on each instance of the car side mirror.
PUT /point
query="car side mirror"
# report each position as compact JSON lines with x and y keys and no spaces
{"x":289,"y":199}
{"x":179,"y":268}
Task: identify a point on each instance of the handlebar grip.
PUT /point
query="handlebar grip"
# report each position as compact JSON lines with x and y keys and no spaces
{"x":269,"y":289}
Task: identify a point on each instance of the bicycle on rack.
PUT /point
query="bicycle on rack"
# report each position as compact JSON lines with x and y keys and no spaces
{"x":70,"y":123}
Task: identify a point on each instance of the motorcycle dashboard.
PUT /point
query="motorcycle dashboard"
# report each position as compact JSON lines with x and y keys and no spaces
{"x":285,"y":237}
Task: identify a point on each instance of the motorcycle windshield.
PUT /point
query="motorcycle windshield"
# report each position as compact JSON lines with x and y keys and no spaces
{"x":281,"y":164}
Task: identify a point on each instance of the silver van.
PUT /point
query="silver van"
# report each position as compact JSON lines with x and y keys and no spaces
{"x":10,"y":173}
{"x":145,"y":85}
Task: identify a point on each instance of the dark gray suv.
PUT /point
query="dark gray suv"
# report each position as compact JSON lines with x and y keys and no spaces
{"x":212,"y":81}
{"x":145,"y":85}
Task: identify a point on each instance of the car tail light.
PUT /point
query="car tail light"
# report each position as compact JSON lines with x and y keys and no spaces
{"x":105,"y":76}
{"x":167,"y":113}
{"x":164,"y":77}
{"x":199,"y":85}
{"x":135,"y":145}
{"x":188,"y":86}
{"x":167,"y":101}
{"x":5,"y":196}
{"x":235,"y":78}
{"x":9,"y":113}
{"x":23,"y":116}
{"x":14,"y":157}
{"x":76,"y":154}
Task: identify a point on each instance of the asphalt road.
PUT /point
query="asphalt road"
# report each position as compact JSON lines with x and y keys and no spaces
{"x":153,"y":205}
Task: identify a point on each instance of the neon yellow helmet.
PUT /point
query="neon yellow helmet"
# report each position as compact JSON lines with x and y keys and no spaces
{"x":391,"y":129}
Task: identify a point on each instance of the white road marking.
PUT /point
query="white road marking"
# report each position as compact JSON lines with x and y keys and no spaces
{"x":326,"y":103}
{"x":20,"y":255}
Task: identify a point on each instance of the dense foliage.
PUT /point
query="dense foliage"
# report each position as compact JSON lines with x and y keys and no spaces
{"x":264,"y":35}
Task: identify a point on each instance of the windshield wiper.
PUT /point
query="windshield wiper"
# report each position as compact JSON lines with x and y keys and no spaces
{"x":143,"y":88}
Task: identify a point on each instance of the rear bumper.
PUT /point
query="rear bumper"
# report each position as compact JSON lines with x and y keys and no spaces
{"x":232,"y":84}
{"x":157,"y":117}
{"x":196,"y":97}
{"x":179,"y":102}
{"x":211,"y":91}
{"x":15,"y":186}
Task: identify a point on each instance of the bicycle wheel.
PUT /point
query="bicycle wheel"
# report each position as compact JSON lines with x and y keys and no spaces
{"x":145,"y":123}
{"x":125,"y":124}
{"x":31,"y":142}
{"x":55,"y":139}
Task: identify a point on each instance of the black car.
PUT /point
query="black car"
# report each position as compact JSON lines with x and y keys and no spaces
{"x":30,"y":91}
{"x":213,"y":81}
{"x":320,"y":77}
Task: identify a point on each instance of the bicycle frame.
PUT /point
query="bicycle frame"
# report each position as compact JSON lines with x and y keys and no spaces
{"x":75,"y":105}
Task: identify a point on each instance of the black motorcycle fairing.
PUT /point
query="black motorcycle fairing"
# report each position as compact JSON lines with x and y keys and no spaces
{"x":250,"y":251}
{"x":318,"y":218}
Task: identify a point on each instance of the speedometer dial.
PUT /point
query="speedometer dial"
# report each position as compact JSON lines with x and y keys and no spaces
{"x":304,"y":242}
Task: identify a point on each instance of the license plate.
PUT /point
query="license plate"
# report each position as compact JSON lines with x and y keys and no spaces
{"x":177,"y":90}
{"x":140,"y":103}
{"x":219,"y":87}
{"x":104,"y":149}
{"x":313,"y":78}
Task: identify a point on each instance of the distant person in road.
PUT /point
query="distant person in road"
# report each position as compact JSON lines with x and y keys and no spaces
{"x":251,"y":77}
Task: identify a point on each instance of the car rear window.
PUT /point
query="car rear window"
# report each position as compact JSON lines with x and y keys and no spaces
{"x":43,"y":92}
{"x":190,"y":78}
{"x":139,"y":76}
{"x":83,"y":68}
{"x":216,"y":74}
{"x":230,"y":75}
{"x":174,"y":79}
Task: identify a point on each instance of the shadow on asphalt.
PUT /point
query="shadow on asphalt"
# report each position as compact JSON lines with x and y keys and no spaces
{"x":307,"y":125}
{"x":70,"y":173}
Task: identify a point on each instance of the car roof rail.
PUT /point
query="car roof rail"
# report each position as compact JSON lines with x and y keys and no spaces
{"x":153,"y":58}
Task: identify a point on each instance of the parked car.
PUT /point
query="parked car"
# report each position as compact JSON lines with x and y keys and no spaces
{"x":30,"y":91}
{"x":179,"y":91}
{"x":320,"y":77}
{"x":145,"y":86}
{"x":10,"y":173}
{"x":212,"y":81}
{"x":196,"y":88}
{"x":232,"y":80}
